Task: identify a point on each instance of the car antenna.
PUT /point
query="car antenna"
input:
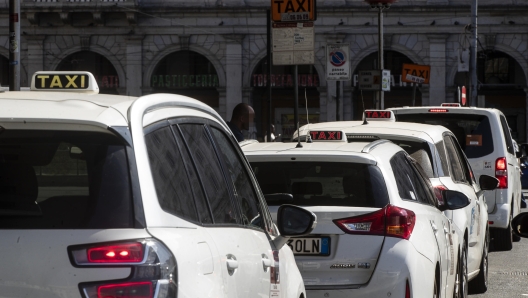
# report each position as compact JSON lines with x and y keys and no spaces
{"x":308,"y":137}
{"x":363,"y":103}
{"x":298,"y":137}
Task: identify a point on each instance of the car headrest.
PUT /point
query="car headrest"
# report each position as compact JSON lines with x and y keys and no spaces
{"x":354,"y":184}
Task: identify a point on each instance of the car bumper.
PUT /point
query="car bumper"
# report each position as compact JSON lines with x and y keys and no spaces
{"x":500,"y":218}
{"x":399,"y":262}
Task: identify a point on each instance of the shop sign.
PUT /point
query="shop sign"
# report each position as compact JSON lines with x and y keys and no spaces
{"x":184,"y":81}
{"x":338,"y":62}
{"x":285,"y":80}
{"x":374,"y":80}
{"x":107,"y":81}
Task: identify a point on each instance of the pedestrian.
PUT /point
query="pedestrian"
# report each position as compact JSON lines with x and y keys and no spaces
{"x":243,"y":115}
{"x":273,"y":138}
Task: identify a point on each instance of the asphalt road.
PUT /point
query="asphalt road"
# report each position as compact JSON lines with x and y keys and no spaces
{"x":508,"y":272}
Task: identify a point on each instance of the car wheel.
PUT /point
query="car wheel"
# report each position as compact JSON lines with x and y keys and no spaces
{"x":435,"y":289}
{"x":462,"y":285}
{"x":503,"y":238}
{"x":479,"y":285}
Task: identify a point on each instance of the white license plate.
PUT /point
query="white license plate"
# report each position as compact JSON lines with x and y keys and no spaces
{"x":310,"y":246}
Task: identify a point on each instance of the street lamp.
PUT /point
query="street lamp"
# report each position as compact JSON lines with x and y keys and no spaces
{"x":380,"y":5}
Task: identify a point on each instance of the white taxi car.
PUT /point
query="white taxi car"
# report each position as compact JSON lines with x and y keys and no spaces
{"x":380,"y":230}
{"x":436,"y":149}
{"x":116,"y":196}
{"x":485,"y":137}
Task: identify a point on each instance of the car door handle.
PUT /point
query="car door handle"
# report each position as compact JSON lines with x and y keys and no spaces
{"x":266,"y":263}
{"x":446,"y":230}
{"x":232,"y":264}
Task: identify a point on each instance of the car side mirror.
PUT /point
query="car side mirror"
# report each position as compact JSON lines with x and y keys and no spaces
{"x":520,"y":225}
{"x":453,"y":200}
{"x":488,"y":182}
{"x":293,"y":221}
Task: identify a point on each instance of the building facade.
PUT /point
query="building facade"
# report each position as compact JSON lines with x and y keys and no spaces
{"x":215,"y":51}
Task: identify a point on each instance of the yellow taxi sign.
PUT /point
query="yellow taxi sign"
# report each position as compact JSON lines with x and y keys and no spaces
{"x":293,"y":10}
{"x":69,"y":81}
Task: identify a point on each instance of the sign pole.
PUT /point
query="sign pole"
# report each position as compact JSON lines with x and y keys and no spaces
{"x":381,"y":98}
{"x":338,"y":101}
{"x":268,"y":49}
{"x":473,"y":55}
{"x":414,"y":94}
{"x":14,"y":45}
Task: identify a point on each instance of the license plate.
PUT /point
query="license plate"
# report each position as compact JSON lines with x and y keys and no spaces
{"x":310,"y":246}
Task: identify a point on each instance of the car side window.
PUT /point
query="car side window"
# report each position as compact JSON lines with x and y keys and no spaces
{"x":457,"y":173}
{"x":507,"y":135}
{"x":408,"y":182}
{"x":172,"y":184}
{"x":443,"y":158}
{"x":468,"y":174}
{"x":210,"y":173}
{"x":240,"y":179}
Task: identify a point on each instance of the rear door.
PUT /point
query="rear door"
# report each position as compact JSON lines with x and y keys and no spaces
{"x":238,"y":227}
{"x":514,"y":170}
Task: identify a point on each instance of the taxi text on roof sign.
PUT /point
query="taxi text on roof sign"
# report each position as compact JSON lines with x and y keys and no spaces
{"x":293,"y":10}
{"x":379,"y":115}
{"x":70,"y":81}
{"x":334,"y":135}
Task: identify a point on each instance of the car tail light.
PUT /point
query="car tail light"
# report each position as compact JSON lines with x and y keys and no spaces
{"x":438,"y":189}
{"x":122,"y":253}
{"x":390,"y":221}
{"x":501,"y":172}
{"x":153,"y":269}
{"x":128,"y":290}
{"x":438,"y":110}
{"x":407,"y":290}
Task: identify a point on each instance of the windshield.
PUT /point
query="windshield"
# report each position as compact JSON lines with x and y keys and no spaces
{"x":473,"y":132}
{"x":63,"y":180}
{"x":323,"y":183}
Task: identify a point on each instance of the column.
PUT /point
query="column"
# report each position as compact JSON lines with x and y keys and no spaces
{"x":323,"y":98}
{"x":233,"y":75}
{"x":526,"y":116}
{"x":134,"y":65}
{"x":35,"y":54}
{"x":425,"y":90}
{"x":348,"y":105}
{"x":437,"y":58}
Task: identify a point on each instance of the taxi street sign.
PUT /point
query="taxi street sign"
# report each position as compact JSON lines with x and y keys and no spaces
{"x":293,"y":10}
{"x":72,"y":81}
{"x":293,"y":43}
{"x":414,"y":73}
{"x":337,"y":62}
{"x":373,"y":80}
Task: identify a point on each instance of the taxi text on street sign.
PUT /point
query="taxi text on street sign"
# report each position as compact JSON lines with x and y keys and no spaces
{"x":338,"y":62}
{"x":414,"y":73}
{"x":293,"y":10}
{"x":374,"y":80}
{"x":293,"y":43}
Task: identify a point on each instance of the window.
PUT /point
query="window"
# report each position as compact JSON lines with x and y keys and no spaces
{"x":244,"y":189}
{"x":323,"y":183}
{"x":466,"y":169}
{"x":443,"y":158}
{"x":507,"y":135}
{"x":64,"y":180}
{"x":457,"y":172}
{"x":170,"y":177}
{"x":210,"y":172}
{"x":410,"y":186}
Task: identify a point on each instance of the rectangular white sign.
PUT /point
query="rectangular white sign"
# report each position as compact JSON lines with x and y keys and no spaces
{"x":338,"y":62}
{"x":293,"y":43}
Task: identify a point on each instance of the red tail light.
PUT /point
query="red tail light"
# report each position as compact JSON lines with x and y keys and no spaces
{"x":390,"y":221}
{"x":438,"y":193}
{"x":407,"y":290}
{"x":501,"y":172}
{"x":126,"y":290}
{"x":438,"y":110}
{"x":121,"y":253}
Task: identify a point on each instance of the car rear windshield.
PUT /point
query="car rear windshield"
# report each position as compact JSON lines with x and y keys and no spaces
{"x":322,"y":183}
{"x":473,"y":132}
{"x":63,"y":180}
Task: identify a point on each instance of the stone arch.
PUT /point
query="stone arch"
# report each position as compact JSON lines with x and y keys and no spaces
{"x":220,"y":70}
{"x":98,"y":50}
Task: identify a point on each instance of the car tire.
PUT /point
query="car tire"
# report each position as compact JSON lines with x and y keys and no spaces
{"x":479,"y":284}
{"x":435,"y":288}
{"x":503,"y":238}
{"x":461,"y":281}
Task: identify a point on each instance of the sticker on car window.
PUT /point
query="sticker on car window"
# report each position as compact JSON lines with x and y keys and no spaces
{"x":474,"y":140}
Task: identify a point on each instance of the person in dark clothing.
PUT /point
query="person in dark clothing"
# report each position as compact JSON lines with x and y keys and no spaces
{"x":243,"y":115}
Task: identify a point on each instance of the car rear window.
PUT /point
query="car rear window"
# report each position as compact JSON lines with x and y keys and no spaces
{"x":63,"y":180}
{"x":323,"y":183}
{"x":473,"y":132}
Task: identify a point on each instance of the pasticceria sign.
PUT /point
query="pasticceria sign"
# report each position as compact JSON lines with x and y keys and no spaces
{"x":184,"y":81}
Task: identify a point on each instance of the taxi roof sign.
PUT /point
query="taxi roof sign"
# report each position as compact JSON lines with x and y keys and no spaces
{"x":450,"y":104}
{"x":379,"y":115}
{"x":328,"y":135}
{"x":64,"y":81}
